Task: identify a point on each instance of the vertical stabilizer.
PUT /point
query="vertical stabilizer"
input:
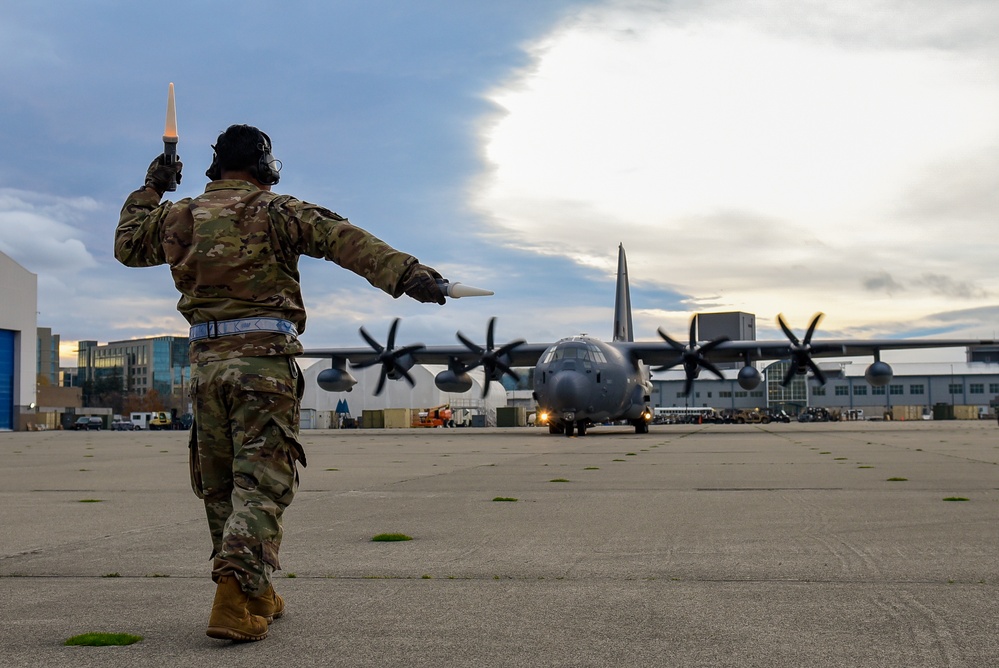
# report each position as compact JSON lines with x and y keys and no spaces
{"x":622,"y":300}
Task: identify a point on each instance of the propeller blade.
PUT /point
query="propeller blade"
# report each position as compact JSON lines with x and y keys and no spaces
{"x":713,"y":369}
{"x":676,"y":345}
{"x":371,"y":341}
{"x":817,"y":372}
{"x":811,"y":328}
{"x":787,"y":330}
{"x":789,"y":375}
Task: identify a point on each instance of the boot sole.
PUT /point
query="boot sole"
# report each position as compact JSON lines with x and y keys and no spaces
{"x":223,"y":633}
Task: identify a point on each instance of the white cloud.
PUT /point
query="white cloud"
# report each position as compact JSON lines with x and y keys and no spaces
{"x":37,"y":230}
{"x":766,"y":159}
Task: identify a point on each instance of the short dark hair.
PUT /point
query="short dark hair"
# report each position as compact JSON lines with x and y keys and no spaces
{"x":239,"y":148}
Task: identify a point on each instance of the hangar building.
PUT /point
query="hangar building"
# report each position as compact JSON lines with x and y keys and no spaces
{"x":18,"y":336}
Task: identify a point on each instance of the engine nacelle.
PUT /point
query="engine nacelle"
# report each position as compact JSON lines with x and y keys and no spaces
{"x":450,"y":381}
{"x":749,"y":377}
{"x":879,"y":374}
{"x":336,"y":380}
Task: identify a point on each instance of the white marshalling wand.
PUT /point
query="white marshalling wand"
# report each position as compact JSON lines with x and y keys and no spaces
{"x":458,"y":290}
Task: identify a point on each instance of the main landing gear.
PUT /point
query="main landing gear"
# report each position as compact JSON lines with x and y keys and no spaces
{"x":567,"y":427}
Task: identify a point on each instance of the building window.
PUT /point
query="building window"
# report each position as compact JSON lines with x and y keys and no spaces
{"x":842,"y":391}
{"x":859,"y":390}
{"x":878,"y":390}
{"x":993,"y":388}
{"x":819,"y":391}
{"x":916,"y":389}
{"x":955,"y":388}
{"x":976,"y":388}
{"x":896,"y":389}
{"x":724,"y":394}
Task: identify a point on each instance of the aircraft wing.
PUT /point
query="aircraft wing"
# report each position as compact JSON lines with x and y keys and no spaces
{"x":524,"y":355}
{"x":656,"y":353}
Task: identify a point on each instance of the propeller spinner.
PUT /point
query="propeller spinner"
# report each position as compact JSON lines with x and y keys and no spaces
{"x":801,"y":350}
{"x":396,"y":363}
{"x":494,"y":361}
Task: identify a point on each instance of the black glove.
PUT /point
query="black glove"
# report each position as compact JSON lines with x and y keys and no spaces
{"x":161,"y":173}
{"x":420,"y":283}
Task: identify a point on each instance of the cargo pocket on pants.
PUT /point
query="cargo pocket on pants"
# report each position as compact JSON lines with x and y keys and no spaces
{"x":194,"y":461}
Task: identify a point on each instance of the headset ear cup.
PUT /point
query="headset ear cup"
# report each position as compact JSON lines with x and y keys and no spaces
{"x":266,"y":173}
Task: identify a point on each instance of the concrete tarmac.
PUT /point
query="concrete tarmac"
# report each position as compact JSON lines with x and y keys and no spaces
{"x":819,"y":545}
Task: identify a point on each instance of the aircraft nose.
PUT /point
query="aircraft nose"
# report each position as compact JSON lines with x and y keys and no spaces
{"x":570,"y":391}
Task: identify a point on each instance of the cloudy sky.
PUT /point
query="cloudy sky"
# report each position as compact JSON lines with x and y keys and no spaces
{"x":773,"y":156}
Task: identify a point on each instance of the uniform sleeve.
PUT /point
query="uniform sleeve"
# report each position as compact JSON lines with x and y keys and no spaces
{"x":321,"y":233}
{"x":138,"y":239}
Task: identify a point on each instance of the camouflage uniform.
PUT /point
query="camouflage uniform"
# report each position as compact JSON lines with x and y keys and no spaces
{"x":233,"y":253}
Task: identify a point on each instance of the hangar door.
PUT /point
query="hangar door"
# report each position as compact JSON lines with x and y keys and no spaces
{"x":6,"y":379}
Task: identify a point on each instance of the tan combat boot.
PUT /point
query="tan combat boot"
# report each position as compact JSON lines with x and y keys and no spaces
{"x":230,"y":619}
{"x":268,"y":605}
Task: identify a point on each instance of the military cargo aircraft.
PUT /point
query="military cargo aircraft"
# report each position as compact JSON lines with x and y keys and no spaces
{"x":580,"y":381}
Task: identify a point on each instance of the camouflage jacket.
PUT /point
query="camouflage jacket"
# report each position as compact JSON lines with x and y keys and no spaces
{"x":233,"y":253}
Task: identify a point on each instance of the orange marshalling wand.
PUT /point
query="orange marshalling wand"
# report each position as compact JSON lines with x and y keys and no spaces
{"x":170,"y":134}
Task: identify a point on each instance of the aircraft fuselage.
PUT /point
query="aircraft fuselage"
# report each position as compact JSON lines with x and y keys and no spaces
{"x":580,"y":381}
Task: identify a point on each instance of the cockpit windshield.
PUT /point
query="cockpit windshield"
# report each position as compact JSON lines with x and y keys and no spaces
{"x":579,"y":351}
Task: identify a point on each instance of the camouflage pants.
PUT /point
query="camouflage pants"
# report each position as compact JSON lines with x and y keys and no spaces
{"x":243,"y":460}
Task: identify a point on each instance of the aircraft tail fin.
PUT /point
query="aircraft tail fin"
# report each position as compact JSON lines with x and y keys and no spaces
{"x":622,"y":300}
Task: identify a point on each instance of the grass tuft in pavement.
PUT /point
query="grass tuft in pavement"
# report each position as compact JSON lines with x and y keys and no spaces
{"x":103,"y":639}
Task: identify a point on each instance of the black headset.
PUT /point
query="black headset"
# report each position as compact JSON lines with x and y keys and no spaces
{"x":267,"y":170}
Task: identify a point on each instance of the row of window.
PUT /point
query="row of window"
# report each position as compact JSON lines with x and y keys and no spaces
{"x":861,"y":389}
{"x":728,"y":394}
{"x":917,"y":389}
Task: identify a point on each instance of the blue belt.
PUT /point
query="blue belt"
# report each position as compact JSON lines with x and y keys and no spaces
{"x":217,"y":328}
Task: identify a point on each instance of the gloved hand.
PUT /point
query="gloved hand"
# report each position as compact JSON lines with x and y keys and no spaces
{"x":420,"y":283}
{"x":160,"y":173}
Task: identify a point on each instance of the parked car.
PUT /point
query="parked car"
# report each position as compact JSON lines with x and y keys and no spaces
{"x":88,"y":423}
{"x":122,"y":425}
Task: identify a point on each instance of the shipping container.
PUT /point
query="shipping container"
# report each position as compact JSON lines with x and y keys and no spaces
{"x":511,"y":416}
{"x":373,"y":419}
{"x":398,"y":418}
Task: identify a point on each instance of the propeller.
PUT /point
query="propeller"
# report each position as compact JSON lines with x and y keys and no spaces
{"x":492,"y":360}
{"x":801,"y":350}
{"x":394,"y":360}
{"x":692,"y":356}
